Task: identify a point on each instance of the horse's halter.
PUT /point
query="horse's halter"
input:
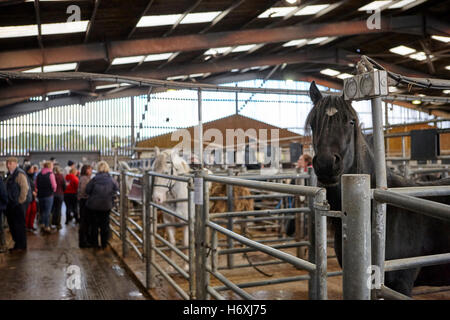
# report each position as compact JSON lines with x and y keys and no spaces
{"x":171,"y":183}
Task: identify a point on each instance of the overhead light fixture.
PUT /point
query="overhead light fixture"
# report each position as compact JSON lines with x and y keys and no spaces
{"x":291,"y":1}
{"x":344,"y":76}
{"x":402,"y":50}
{"x":276,"y":12}
{"x":330,"y":72}
{"x":446,"y":91}
{"x":126,"y":60}
{"x":401,"y":4}
{"x":441,"y":38}
{"x":234,"y":70}
{"x":195,"y":75}
{"x":157,"y":57}
{"x":55,"y":67}
{"x":447,"y":67}
{"x":309,"y":10}
{"x":374,"y":5}
{"x":416,"y":102}
{"x":298,"y":43}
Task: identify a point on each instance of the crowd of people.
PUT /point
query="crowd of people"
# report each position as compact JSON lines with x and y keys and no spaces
{"x":27,"y":193}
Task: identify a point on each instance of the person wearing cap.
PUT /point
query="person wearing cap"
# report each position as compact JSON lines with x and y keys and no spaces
{"x":17,"y":188}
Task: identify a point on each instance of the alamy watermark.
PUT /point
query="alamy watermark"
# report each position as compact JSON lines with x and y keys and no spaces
{"x":374,"y":278}
{"x":237,"y":147}
{"x":73,"y":281}
{"x":374,"y":20}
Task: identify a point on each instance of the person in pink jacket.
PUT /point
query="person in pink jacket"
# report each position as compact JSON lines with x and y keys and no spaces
{"x":45,"y":188}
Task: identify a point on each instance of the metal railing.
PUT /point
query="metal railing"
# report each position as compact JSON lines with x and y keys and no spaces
{"x":204,"y":248}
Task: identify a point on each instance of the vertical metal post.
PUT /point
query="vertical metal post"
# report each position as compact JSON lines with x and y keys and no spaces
{"x":123,"y":213}
{"x":237,"y":102}
{"x":200,"y":127}
{"x":145,"y":208}
{"x":191,"y":226}
{"x":147,"y":195}
{"x":200,"y":238}
{"x":356,"y":255}
{"x":207,"y":233}
{"x":321,"y":246}
{"x":312,"y":284}
{"x":379,"y":217}
{"x":230,"y":208}
{"x":132,"y":122}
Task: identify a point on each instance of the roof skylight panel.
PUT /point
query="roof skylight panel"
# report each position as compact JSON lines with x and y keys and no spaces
{"x":200,"y":17}
{"x":402,"y":50}
{"x":126,"y":60}
{"x":374,"y":5}
{"x":46,"y":29}
{"x":276,"y":12}
{"x":309,"y":10}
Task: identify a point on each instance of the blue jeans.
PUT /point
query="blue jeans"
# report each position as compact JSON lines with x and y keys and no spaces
{"x":45,"y":206}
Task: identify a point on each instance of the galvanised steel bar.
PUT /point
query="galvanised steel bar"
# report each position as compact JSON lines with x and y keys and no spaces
{"x":177,"y":288}
{"x":215,"y":294}
{"x":230,"y":205}
{"x":214,"y":252}
{"x":415,"y":262}
{"x":123,"y":214}
{"x":430,"y":170}
{"x":233,"y":287}
{"x":275,"y":281}
{"x":258,"y":212}
{"x":166,"y":176}
{"x":134,"y":223}
{"x":432,"y":191}
{"x":171,"y":247}
{"x":169,"y":211}
{"x":136,"y":249}
{"x":389,"y":294}
{"x":183,"y":273}
{"x":207,"y":231}
{"x":132,"y":142}
{"x":191,"y":233}
{"x":275,"y":177}
{"x":356,"y":256}
{"x":264,"y":248}
{"x":312,"y":284}
{"x":265,"y":219}
{"x":151,"y":274}
{"x":321,"y":246}
{"x":138,"y":239}
{"x":430,"y":208}
{"x":200,"y":127}
{"x":379,"y":216}
{"x":200,"y":239}
{"x":277,"y":246}
{"x":147,"y":192}
{"x":269,"y":186}
{"x":256,"y":264}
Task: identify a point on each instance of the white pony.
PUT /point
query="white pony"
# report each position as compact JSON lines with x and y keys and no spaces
{"x":170,"y":163}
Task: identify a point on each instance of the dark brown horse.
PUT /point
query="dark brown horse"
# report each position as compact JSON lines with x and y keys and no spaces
{"x":341,"y":148}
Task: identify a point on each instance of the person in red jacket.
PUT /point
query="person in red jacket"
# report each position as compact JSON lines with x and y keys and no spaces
{"x":70,"y":196}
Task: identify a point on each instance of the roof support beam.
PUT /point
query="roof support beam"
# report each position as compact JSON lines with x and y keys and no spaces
{"x":99,"y":51}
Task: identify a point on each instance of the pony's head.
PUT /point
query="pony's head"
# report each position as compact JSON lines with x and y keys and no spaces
{"x":335,"y":133}
{"x":170,"y":163}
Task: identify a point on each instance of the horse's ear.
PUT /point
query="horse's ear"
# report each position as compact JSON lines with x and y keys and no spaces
{"x":314,"y":93}
{"x":157,"y":151}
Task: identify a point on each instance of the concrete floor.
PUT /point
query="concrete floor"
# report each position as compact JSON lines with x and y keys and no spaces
{"x":49,"y":269}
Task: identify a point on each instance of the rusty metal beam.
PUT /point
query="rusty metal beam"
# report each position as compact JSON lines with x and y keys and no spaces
{"x":39,"y":88}
{"x":124,"y":48}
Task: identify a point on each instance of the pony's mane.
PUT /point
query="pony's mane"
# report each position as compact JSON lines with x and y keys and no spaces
{"x":318,"y":119}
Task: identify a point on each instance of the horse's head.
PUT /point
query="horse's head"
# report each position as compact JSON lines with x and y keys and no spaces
{"x":170,"y":163}
{"x":334,"y":125}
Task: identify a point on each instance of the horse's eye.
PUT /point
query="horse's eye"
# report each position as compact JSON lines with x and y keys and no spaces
{"x":352,"y":122}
